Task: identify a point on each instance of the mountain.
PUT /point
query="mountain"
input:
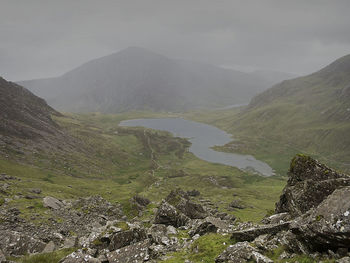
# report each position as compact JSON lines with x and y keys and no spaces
{"x":23,"y":114}
{"x":274,"y":76}
{"x":310,"y":113}
{"x":137,"y":79}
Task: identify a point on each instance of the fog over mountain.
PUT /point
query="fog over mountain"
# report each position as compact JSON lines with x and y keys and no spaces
{"x":137,"y":79}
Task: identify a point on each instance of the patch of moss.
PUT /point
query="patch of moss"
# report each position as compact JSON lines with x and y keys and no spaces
{"x":53,"y":257}
{"x":123,"y":225}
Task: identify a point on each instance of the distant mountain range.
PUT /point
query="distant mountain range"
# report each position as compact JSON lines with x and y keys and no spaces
{"x":138,"y":79}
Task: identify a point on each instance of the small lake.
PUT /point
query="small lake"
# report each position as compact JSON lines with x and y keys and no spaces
{"x":203,"y":137}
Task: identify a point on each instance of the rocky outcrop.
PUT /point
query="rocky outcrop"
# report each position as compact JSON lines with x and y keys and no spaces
{"x":210,"y":225}
{"x":251,"y":233}
{"x":52,"y":202}
{"x":328,"y":225}
{"x":181,"y":200}
{"x":313,"y":218}
{"x":309,"y":183}
{"x":15,"y":243}
{"x":169,"y":215}
{"x":137,"y":252}
{"x":240,"y":253}
{"x":127,"y":237}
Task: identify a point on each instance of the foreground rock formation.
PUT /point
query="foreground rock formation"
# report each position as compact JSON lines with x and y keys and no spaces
{"x":312,"y":218}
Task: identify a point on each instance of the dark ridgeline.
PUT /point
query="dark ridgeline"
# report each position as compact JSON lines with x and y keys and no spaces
{"x":23,"y":114}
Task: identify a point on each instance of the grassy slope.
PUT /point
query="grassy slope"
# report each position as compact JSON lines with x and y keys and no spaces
{"x":118,"y":165}
{"x":308,"y":114}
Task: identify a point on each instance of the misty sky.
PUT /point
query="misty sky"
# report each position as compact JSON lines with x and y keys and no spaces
{"x":43,"y":38}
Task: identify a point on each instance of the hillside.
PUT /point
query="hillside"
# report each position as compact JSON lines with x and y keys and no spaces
{"x":309,"y":114}
{"x":138,"y":79}
{"x":26,"y":124}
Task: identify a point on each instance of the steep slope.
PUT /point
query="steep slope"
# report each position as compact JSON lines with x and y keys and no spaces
{"x":24,"y":115}
{"x":137,"y":79}
{"x":310,"y":113}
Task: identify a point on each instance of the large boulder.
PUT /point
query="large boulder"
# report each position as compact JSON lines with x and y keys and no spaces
{"x":328,"y":225}
{"x":169,"y":215}
{"x":81,"y":256}
{"x":127,"y":237}
{"x":309,"y":183}
{"x":181,"y":200}
{"x":161,"y":235}
{"x":138,"y":252}
{"x":240,"y":253}
{"x":52,"y":202}
{"x":250,"y":234}
{"x":209,"y":225}
{"x":13,"y":243}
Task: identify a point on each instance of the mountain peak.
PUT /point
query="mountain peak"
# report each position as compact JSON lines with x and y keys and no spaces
{"x":341,"y":65}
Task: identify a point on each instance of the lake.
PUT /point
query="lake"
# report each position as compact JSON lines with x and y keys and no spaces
{"x":203,"y":137}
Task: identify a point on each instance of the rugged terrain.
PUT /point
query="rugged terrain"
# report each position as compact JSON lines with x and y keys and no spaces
{"x":310,"y":224}
{"x":138,"y":79}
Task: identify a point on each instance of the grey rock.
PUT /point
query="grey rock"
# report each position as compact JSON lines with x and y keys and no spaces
{"x":343,"y":260}
{"x":15,"y":244}
{"x":240,"y":253}
{"x":328,"y":225}
{"x":169,"y":215}
{"x":70,"y":242}
{"x":140,"y":200}
{"x":2,"y":257}
{"x":251,"y":233}
{"x":35,"y":190}
{"x":81,"y":256}
{"x":209,"y":225}
{"x":309,"y":183}
{"x":276,"y":218}
{"x":50,"y":247}
{"x":171,"y":230}
{"x":52,"y":202}
{"x":135,"y":253}
{"x":181,"y":201}
{"x":127,"y":237}
{"x":237,"y":204}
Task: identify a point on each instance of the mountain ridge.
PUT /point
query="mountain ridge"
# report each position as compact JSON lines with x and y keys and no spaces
{"x":138,"y":79}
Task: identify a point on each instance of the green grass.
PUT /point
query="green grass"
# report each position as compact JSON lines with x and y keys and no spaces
{"x":115,"y":163}
{"x":53,"y":257}
{"x":204,"y":249}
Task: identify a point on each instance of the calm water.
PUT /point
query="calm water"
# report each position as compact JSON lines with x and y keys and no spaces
{"x":203,"y":137}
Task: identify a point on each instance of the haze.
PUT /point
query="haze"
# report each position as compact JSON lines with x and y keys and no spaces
{"x":42,"y":38}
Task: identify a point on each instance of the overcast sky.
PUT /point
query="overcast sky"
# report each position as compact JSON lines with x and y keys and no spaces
{"x":44,"y":38}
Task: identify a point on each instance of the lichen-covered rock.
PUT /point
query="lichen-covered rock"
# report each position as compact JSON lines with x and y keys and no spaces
{"x":328,"y":225}
{"x":276,"y":218}
{"x":169,"y":215}
{"x":2,"y":257}
{"x":158,"y":234}
{"x":250,"y":234}
{"x":180,"y":199}
{"x":127,"y":237}
{"x":240,"y":253}
{"x":309,"y":183}
{"x":50,"y":247}
{"x":135,"y":253}
{"x":81,"y":256}
{"x":13,"y":243}
{"x":209,"y":225}
{"x":52,"y":202}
